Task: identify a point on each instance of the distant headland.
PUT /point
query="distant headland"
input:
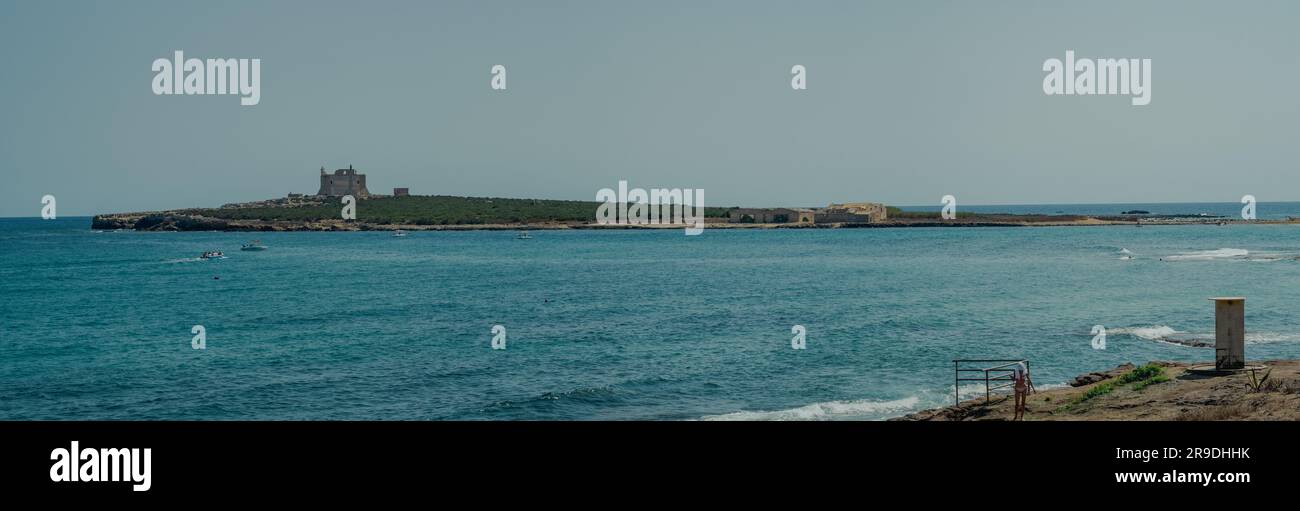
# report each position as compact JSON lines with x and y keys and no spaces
{"x":403,"y":211}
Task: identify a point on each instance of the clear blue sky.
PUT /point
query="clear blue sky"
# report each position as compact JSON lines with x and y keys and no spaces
{"x":907,"y":101}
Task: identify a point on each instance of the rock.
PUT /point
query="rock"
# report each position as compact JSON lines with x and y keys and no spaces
{"x":1091,"y":378}
{"x":179,"y":223}
{"x":109,"y":223}
{"x":1088,"y":379}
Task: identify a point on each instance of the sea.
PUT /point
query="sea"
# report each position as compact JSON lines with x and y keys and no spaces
{"x":612,"y":324}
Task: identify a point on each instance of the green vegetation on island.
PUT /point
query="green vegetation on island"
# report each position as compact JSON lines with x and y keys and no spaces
{"x":429,"y":210}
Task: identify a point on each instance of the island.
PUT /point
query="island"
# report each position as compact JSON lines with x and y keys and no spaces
{"x":403,"y":211}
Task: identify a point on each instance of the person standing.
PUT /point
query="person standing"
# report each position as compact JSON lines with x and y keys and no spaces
{"x":1023,"y":385}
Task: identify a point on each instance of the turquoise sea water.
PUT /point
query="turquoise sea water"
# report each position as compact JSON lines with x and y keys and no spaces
{"x":603,"y":325}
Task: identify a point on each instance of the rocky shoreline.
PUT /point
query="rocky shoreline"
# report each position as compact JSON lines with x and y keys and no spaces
{"x":1155,"y":391}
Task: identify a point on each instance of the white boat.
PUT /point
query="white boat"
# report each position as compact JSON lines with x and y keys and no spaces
{"x":255,"y":246}
{"x":213,"y":254}
{"x":523,"y":235}
{"x":399,"y":234}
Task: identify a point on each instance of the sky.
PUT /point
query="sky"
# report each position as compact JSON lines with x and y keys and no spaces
{"x":906,"y":101}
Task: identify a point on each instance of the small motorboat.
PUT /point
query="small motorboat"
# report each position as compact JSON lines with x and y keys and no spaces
{"x":255,"y":246}
{"x":523,"y":235}
{"x":213,"y":254}
{"x":399,"y":234}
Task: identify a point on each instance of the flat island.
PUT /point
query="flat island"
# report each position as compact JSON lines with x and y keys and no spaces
{"x":441,"y":212}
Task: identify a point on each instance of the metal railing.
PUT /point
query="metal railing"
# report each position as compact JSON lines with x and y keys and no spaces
{"x":992,"y":376}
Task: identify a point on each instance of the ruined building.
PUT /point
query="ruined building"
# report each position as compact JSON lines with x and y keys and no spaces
{"x":343,"y":182}
{"x":853,"y":212}
{"x":850,"y":213}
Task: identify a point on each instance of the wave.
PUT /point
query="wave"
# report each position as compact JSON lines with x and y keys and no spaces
{"x":1167,"y":334}
{"x":866,"y":409}
{"x":1209,"y":255}
{"x":1273,"y":256}
{"x":1239,"y":254}
{"x":830,"y":410}
{"x":184,"y":260}
{"x":1149,"y":333}
{"x":1270,"y":337}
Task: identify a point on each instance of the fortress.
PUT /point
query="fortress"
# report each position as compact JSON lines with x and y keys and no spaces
{"x":343,"y":182}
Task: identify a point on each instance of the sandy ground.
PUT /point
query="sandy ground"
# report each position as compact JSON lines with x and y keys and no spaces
{"x":1186,"y":396}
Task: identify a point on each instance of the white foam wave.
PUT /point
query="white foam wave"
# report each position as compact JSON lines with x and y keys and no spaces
{"x":1210,"y":255}
{"x":972,"y":391}
{"x":1270,"y":337}
{"x":1150,"y":333}
{"x":1273,"y":256}
{"x":831,"y":410}
{"x":1167,"y":334}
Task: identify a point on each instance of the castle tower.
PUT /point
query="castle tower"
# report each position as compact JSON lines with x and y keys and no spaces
{"x":343,"y":182}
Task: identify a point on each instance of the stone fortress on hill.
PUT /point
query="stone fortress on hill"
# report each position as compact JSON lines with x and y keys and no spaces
{"x":343,"y":182}
{"x":349,"y":182}
{"x":333,"y":185}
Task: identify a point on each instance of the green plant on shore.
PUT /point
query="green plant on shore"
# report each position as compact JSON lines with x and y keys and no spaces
{"x":1145,"y":372}
{"x":1145,"y":383}
{"x":1257,"y":382}
{"x":1098,"y":391}
{"x":1140,"y":378}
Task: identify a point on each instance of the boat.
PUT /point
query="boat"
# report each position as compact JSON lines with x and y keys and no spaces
{"x":399,"y":234}
{"x":523,"y":235}
{"x":213,"y":254}
{"x":255,"y":246}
